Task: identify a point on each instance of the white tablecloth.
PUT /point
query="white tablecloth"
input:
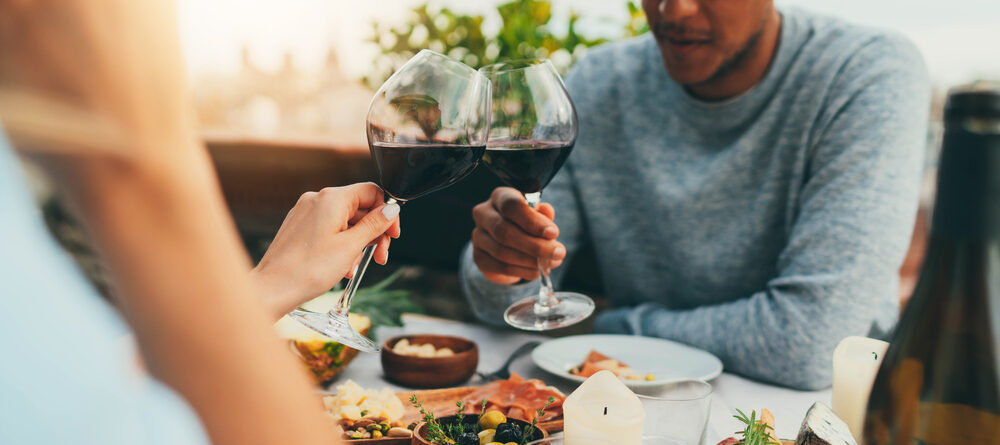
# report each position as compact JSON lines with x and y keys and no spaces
{"x":495,"y":346}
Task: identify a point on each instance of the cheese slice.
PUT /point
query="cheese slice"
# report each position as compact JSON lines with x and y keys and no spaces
{"x":822,"y":427}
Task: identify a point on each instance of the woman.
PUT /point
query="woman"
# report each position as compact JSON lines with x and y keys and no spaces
{"x":94,"y":93}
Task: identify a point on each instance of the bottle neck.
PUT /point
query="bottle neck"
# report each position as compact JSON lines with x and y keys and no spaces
{"x":967,"y":206}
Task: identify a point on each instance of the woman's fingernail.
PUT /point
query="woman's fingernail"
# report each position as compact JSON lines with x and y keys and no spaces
{"x":558,"y":253}
{"x":550,"y":232}
{"x":390,"y":211}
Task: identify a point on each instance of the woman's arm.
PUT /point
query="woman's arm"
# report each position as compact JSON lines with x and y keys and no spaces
{"x":157,"y":216}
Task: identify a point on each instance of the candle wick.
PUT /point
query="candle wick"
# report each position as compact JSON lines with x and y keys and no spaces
{"x":876,"y":355}
{"x":605,"y":410}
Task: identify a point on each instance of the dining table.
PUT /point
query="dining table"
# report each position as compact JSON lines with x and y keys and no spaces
{"x":495,"y":345}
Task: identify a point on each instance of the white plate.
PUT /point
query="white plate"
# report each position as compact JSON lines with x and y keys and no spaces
{"x":669,"y":361}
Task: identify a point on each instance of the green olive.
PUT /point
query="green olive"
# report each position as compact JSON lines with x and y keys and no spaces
{"x":491,"y":419}
{"x":486,"y":436}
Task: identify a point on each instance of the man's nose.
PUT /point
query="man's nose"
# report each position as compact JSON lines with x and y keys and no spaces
{"x":673,"y":10}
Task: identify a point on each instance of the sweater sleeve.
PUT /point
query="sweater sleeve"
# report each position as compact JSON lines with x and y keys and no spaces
{"x":837,"y":272}
{"x":489,"y":300}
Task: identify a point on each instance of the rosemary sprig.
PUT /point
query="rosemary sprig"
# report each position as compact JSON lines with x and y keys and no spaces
{"x":756,"y":432}
{"x":534,"y":421}
{"x":482,"y":408}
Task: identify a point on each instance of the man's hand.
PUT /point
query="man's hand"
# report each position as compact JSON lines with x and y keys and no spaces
{"x":320,"y":242}
{"x":510,"y":239}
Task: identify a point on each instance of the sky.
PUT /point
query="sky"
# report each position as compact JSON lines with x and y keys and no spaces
{"x":960,"y":39}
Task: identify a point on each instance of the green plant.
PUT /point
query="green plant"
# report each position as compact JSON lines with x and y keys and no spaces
{"x":525,"y":33}
{"x":383,"y":306}
{"x":457,"y":428}
{"x":435,"y":434}
{"x":534,"y":420}
{"x":756,"y":432}
{"x":637,"y":23}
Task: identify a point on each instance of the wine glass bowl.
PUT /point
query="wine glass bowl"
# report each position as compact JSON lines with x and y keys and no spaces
{"x":532,"y":133}
{"x":427,"y":127}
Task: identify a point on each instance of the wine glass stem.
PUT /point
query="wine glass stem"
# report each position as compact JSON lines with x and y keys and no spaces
{"x":546,"y":292}
{"x":344,"y":303}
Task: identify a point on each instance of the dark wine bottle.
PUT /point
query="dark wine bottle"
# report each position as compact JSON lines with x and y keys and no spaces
{"x":940,"y":381}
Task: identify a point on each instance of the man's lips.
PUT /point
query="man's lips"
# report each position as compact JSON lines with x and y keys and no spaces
{"x":685,"y":46}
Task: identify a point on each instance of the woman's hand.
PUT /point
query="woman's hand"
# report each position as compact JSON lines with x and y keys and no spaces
{"x":320,"y":242}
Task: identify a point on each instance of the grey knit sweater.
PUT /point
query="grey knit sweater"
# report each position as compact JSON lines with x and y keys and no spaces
{"x":764,"y":228}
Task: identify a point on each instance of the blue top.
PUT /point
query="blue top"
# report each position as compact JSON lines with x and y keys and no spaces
{"x":66,"y":375}
{"x":763,"y":228}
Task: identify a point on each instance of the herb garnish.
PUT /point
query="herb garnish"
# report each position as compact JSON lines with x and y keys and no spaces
{"x":435,"y":434}
{"x":457,"y":429}
{"x":530,"y":428}
{"x":756,"y":432}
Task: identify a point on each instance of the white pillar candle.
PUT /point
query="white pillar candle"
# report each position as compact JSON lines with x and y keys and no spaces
{"x":603,"y":411}
{"x":855,"y":363}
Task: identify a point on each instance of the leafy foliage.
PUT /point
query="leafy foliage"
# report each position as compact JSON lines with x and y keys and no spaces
{"x":383,"y":306}
{"x":525,"y":33}
{"x":756,"y":432}
{"x":534,"y":420}
{"x":457,"y":428}
{"x":637,"y":23}
{"x":435,"y":434}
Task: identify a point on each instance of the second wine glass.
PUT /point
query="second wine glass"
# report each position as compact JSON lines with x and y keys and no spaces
{"x":532,"y":132}
{"x":427,"y":129}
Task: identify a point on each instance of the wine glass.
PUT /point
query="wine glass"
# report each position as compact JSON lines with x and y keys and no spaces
{"x":532,"y":132}
{"x":427,"y":129}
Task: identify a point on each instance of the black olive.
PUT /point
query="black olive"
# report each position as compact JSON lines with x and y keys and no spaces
{"x":508,"y":432}
{"x":469,"y":438}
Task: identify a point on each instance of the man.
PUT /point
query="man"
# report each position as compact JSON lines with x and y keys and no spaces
{"x":754,"y":199}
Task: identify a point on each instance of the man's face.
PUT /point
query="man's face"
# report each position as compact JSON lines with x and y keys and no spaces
{"x":700,"y":40}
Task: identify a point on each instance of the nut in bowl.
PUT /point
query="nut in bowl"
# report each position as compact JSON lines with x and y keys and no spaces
{"x":424,"y":361}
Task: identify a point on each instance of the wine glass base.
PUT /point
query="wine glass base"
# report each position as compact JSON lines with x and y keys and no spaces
{"x":528,"y":315}
{"x":337,"y":328}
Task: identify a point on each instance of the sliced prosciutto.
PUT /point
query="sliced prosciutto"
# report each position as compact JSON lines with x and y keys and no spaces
{"x":596,"y":362}
{"x":517,"y":398}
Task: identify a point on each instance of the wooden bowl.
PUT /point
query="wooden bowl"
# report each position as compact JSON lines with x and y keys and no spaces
{"x":421,"y":429}
{"x":431,"y":372}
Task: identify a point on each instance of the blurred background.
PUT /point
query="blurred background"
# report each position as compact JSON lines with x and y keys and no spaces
{"x":282,"y":89}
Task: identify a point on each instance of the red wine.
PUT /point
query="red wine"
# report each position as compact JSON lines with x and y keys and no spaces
{"x":940,"y":381}
{"x":408,"y":171}
{"x":528,"y":167}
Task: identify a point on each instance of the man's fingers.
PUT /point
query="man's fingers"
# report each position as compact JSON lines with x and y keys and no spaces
{"x":547,"y":210}
{"x":511,"y":204}
{"x":500,"y":272}
{"x":482,"y":240}
{"x":510,"y":235}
